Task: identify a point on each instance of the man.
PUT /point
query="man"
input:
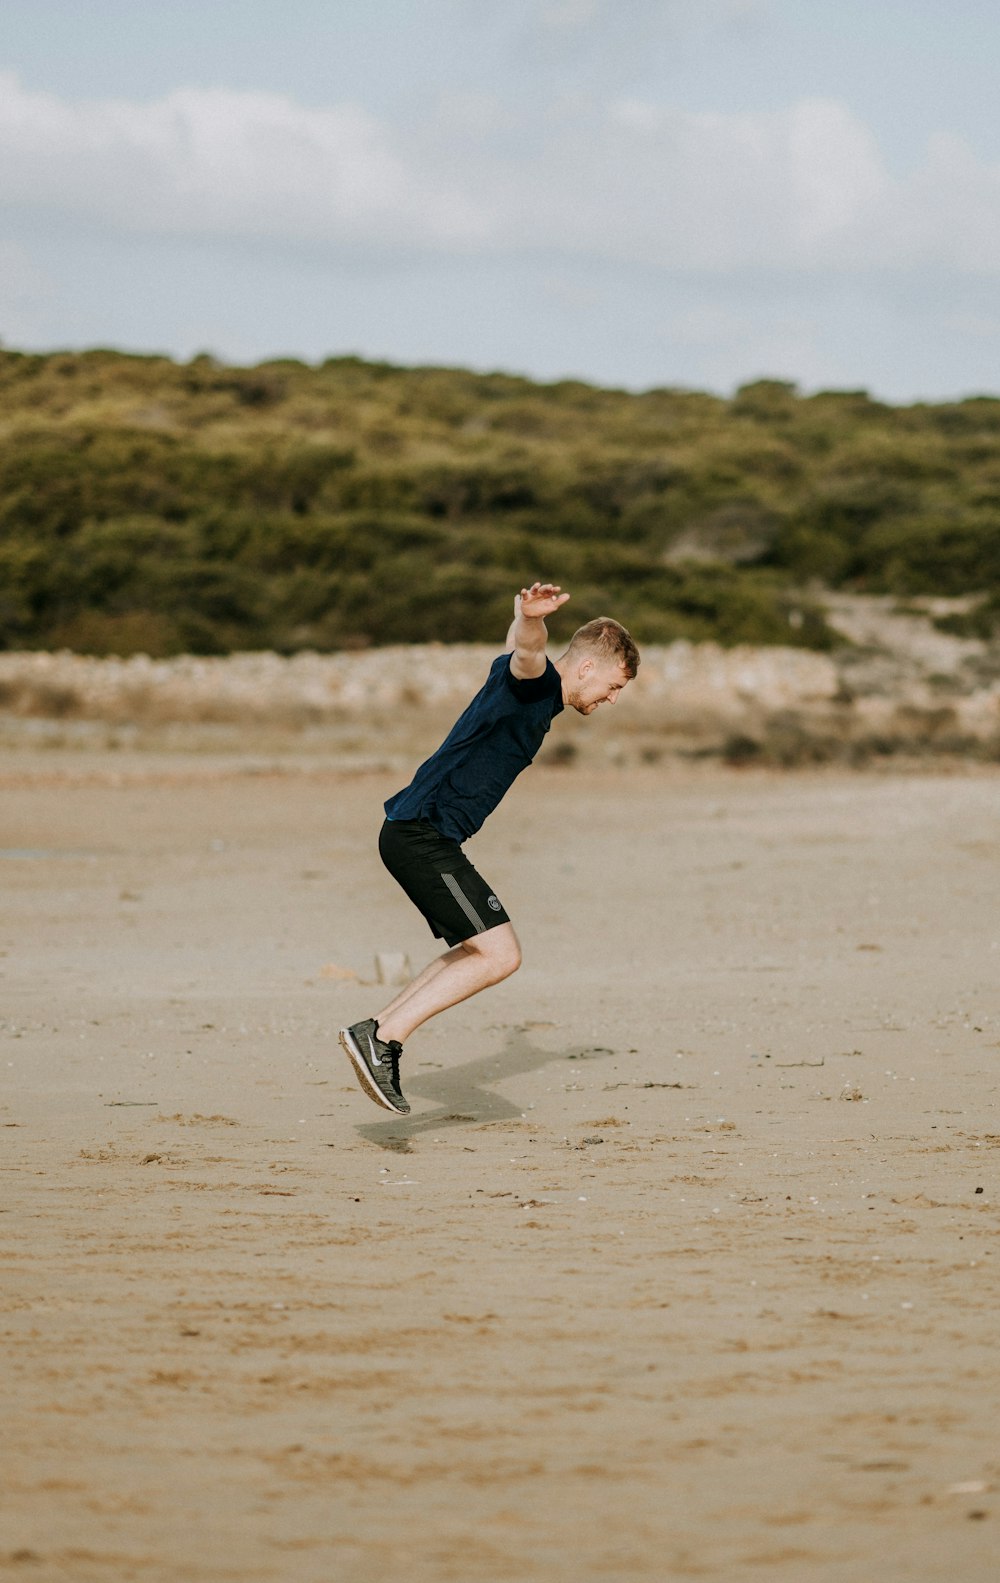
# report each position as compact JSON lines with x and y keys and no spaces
{"x":447,"y":801}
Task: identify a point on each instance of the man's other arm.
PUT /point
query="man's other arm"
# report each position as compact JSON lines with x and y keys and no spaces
{"x":527,"y":636}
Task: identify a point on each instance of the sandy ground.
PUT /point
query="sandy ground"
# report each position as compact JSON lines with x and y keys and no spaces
{"x":684,"y":1266}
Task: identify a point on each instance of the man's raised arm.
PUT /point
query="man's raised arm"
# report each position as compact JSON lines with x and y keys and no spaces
{"x":527,"y":636}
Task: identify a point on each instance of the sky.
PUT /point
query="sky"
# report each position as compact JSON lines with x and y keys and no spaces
{"x":639,"y":193}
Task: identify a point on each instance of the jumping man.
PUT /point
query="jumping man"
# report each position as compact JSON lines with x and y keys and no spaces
{"x":447,"y":801}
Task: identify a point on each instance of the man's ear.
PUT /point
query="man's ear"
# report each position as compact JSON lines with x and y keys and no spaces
{"x":585,"y":666}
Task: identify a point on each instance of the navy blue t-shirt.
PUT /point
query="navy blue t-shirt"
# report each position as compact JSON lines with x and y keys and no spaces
{"x":497,"y":737}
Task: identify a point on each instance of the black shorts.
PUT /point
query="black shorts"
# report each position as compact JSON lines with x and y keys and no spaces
{"x":439,"y":880}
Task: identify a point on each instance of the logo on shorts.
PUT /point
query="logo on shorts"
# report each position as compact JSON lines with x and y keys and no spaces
{"x":491,"y":901}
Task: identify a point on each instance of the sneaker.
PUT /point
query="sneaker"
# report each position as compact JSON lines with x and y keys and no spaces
{"x":376,"y":1064}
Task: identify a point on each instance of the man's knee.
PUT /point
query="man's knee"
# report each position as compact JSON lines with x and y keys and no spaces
{"x":509,"y":956}
{"x":499,"y":950}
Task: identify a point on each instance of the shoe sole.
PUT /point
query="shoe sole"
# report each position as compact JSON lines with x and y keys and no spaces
{"x":363,"y":1075}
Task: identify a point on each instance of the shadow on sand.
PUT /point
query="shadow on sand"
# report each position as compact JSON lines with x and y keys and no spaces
{"x":466,"y":1094}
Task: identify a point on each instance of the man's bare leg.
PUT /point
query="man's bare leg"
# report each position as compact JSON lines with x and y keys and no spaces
{"x":477,"y":963}
{"x":432,"y":969}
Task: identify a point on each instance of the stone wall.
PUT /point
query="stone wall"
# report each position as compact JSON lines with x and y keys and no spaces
{"x":778,"y":705}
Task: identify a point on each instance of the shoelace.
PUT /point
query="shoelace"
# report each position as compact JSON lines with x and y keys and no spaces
{"x":395,"y":1050}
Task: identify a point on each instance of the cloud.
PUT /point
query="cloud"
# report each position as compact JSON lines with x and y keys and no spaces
{"x":800,"y":187}
{"x":216,"y":162}
{"x":803,"y":189}
{"x":947,"y":213}
{"x":625,"y":181}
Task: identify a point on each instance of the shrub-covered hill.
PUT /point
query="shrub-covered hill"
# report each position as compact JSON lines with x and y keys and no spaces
{"x":151,"y":505}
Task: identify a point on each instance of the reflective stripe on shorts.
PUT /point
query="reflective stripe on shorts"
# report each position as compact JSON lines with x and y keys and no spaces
{"x":465,"y":904}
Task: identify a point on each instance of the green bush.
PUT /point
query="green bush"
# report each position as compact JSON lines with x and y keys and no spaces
{"x":146,"y":502}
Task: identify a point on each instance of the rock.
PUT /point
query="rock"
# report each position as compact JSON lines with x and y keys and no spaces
{"x":392,"y":967}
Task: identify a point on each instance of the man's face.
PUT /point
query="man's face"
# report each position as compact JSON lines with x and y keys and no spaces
{"x":595,"y":682}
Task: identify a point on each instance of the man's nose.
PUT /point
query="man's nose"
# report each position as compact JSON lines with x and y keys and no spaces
{"x":612,"y":698}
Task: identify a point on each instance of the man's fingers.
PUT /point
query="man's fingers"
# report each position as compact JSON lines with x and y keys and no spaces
{"x":548,"y":595}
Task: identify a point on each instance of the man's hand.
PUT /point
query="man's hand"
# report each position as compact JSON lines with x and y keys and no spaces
{"x":527,"y":636}
{"x":540,"y":600}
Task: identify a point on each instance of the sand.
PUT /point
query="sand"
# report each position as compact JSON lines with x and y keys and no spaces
{"x":684,"y":1266}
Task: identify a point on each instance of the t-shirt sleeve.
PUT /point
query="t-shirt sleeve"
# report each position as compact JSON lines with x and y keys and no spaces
{"x":531,"y":689}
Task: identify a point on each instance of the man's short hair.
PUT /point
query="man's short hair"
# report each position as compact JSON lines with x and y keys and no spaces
{"x":606,"y":639}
